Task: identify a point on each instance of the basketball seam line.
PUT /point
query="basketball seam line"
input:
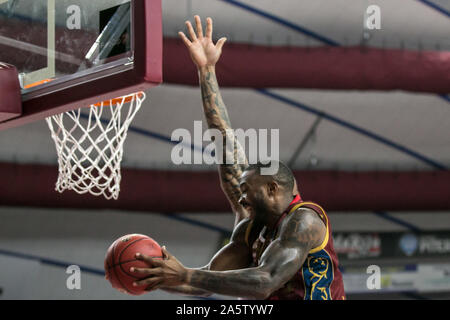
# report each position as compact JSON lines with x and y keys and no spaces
{"x":115,"y":272}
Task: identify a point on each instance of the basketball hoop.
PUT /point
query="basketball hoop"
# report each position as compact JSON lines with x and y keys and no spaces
{"x":89,"y":145}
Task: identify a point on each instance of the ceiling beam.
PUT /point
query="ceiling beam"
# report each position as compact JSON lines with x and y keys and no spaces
{"x":329,"y":68}
{"x":32,"y":185}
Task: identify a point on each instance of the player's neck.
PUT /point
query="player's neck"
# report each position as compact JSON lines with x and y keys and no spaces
{"x":272,"y":221}
{"x":274,"y":218}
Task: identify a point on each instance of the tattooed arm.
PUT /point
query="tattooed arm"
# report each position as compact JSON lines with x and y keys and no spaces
{"x":217,"y":118}
{"x":185,"y":290}
{"x":280,"y":261}
{"x":205,"y":56}
{"x":300,"y":232}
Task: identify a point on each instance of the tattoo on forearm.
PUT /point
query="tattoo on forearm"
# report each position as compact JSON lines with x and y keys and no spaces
{"x":213,"y":103}
{"x":217,"y":117}
{"x":247,"y":283}
{"x":186,"y":290}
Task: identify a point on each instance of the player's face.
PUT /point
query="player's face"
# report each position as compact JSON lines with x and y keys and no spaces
{"x":253,"y":198}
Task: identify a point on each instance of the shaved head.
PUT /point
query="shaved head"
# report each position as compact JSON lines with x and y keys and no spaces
{"x":283,"y":176}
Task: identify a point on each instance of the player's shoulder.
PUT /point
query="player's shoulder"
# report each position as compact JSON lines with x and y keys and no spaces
{"x":302,"y":219}
{"x":302,"y":228}
{"x":308,"y":212}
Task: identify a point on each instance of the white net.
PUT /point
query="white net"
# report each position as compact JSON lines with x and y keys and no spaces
{"x":89,"y":144}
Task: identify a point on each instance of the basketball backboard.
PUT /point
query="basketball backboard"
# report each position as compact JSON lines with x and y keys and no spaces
{"x":73,"y":53}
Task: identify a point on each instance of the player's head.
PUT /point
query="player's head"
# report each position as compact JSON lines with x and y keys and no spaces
{"x":266,"y":193}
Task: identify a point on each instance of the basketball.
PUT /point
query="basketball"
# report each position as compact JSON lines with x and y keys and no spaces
{"x":120,"y":257}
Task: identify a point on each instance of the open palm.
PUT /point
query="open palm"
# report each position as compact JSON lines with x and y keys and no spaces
{"x":201,"y":47}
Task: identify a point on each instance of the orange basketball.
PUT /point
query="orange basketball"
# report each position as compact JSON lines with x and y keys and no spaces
{"x":120,"y":257}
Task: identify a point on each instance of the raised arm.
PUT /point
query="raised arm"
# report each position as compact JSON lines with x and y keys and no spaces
{"x":300,"y":232}
{"x":205,"y":55}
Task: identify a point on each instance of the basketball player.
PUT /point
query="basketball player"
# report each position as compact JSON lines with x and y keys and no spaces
{"x":281,"y":247}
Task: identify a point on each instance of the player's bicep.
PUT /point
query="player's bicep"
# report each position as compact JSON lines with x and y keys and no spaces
{"x":281,"y":262}
{"x":231,"y":257}
{"x":236,"y":254}
{"x":298,"y":235}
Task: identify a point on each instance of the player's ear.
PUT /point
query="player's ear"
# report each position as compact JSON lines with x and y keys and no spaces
{"x":295,"y":189}
{"x":272,"y":188}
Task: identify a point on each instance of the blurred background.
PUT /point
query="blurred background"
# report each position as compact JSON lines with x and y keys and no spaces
{"x":363,"y":116}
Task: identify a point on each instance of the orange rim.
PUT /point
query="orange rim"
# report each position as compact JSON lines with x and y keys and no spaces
{"x":35,"y":84}
{"x":98,"y":104}
{"x":117,"y":100}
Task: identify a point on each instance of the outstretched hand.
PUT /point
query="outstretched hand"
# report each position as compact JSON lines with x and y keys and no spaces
{"x":166,"y":272}
{"x":201,"y":47}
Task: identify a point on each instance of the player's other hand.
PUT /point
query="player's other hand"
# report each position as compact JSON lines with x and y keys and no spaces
{"x":166,"y":272}
{"x":203,"y":51}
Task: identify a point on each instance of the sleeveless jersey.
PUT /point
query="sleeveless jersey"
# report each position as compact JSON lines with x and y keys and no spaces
{"x":319,"y":278}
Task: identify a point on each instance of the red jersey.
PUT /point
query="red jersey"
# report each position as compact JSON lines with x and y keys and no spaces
{"x":319,"y":278}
